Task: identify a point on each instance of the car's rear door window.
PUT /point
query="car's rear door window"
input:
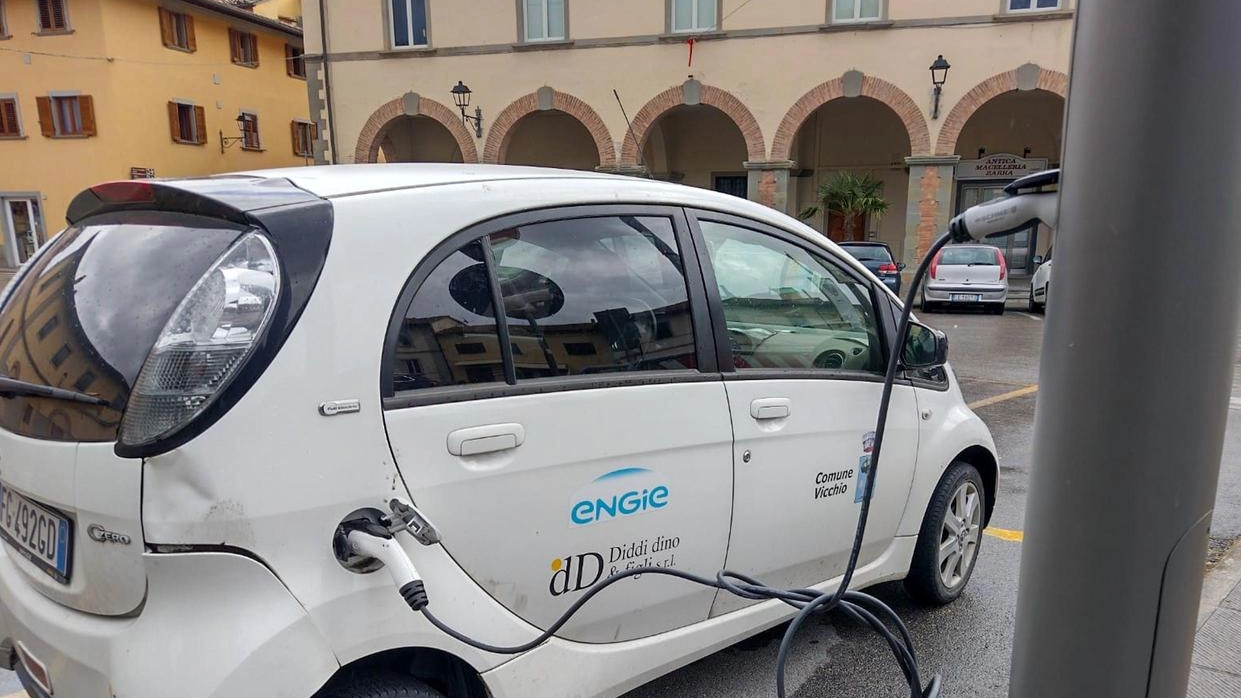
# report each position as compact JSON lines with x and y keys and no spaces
{"x":594,"y":295}
{"x":964,"y":256}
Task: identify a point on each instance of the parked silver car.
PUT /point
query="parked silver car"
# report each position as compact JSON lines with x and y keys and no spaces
{"x":967,"y":275}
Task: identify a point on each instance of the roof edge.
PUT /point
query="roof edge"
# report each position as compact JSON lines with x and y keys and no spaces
{"x":246,"y":16}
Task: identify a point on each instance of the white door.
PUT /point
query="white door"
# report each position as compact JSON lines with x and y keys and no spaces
{"x":593,"y":445}
{"x":22,"y":233}
{"x":809,"y":351}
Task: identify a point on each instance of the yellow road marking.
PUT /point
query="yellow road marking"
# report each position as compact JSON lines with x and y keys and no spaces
{"x":1005,"y":534}
{"x":1020,"y":392}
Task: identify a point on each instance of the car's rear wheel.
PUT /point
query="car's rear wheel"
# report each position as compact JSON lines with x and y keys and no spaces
{"x":951,"y":534}
{"x":377,"y":684}
{"x":1032,"y":306}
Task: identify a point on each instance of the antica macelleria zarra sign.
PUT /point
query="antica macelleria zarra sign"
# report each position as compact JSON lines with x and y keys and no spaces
{"x":1000,"y":166}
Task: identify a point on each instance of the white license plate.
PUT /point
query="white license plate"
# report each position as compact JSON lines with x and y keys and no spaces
{"x":965,"y":297}
{"x":39,"y":534}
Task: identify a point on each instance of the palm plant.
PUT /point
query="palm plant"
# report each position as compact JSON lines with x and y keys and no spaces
{"x":849,"y":196}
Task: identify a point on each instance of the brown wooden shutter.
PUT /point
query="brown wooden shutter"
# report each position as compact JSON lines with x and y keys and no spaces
{"x":293,"y":131}
{"x":87,"y":104}
{"x":45,"y":14}
{"x":254,"y":49}
{"x":288,"y":60}
{"x":8,"y":117}
{"x":174,"y":121}
{"x":167,"y":32}
{"x":234,"y":45}
{"x":190,"y":40}
{"x":45,"y":116}
{"x":200,"y":122}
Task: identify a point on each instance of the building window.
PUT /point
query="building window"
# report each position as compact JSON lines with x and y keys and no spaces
{"x":304,"y":135}
{"x":4,"y":27}
{"x":66,"y":116}
{"x":10,"y":120}
{"x":544,"y":20}
{"x":1031,"y":5}
{"x":177,"y":30}
{"x":187,"y":123}
{"x":856,"y":10}
{"x":250,"y":131}
{"x":53,"y":16}
{"x":244,"y":48}
{"x":693,"y":15}
{"x":409,"y":23}
{"x":295,"y":61}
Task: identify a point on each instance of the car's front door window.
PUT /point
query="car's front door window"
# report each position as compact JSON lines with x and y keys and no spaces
{"x":788,"y":309}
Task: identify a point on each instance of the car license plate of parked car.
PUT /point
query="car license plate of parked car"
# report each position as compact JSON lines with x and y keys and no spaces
{"x":36,"y":532}
{"x":965,"y":297}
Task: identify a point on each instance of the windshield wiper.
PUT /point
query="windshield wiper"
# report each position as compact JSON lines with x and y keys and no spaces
{"x":12,"y":387}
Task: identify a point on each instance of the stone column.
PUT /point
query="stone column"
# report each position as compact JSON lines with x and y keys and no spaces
{"x":631,"y":170}
{"x":929,"y":203}
{"x":768,"y":182}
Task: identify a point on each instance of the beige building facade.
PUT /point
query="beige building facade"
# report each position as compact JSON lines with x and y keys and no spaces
{"x":766,"y":99}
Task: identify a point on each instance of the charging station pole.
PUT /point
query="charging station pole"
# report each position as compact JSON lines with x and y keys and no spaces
{"x":1138,"y":352}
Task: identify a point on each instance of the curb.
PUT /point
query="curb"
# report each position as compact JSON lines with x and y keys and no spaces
{"x":1217,"y":584}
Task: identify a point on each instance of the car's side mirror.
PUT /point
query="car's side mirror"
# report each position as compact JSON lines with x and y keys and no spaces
{"x":924,"y":347}
{"x":1038,"y":259}
{"x":900,"y":266}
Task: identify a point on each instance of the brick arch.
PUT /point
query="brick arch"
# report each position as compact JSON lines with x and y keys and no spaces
{"x":370,"y":138}
{"x":501,"y":133}
{"x":1048,"y":80}
{"x":711,"y":96}
{"x":894,"y":97}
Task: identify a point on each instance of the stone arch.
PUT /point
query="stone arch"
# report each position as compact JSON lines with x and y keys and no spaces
{"x":544,"y":99}
{"x":691,"y":93}
{"x":1026,"y":77}
{"x":853,"y":84}
{"x":411,"y":104}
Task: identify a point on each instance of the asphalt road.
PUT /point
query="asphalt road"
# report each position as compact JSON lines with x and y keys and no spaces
{"x":970,"y":641}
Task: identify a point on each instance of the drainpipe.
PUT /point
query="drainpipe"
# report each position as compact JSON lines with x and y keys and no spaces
{"x":327,"y":82}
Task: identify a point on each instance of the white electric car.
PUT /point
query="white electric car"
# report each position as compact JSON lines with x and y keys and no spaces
{"x":204,"y":378}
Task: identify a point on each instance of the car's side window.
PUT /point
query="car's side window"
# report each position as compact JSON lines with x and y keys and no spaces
{"x":595,"y":295}
{"x":449,"y":335}
{"x":786,"y":308}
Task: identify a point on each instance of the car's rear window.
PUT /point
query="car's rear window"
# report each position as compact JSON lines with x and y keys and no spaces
{"x":88,"y":309}
{"x":968,"y":255}
{"x":869,"y":253}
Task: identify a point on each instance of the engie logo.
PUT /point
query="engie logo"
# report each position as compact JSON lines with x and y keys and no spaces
{"x":622,"y":492}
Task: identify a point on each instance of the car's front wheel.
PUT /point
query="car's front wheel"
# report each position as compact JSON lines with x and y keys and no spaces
{"x":948,"y":543}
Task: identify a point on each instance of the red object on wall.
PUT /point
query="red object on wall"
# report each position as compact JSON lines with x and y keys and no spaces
{"x":690,"y":41}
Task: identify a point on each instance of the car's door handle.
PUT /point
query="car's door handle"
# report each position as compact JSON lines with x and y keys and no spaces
{"x":487,"y":439}
{"x":770,"y":408}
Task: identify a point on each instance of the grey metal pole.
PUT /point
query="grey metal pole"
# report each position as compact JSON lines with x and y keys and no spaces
{"x":1137,"y":355}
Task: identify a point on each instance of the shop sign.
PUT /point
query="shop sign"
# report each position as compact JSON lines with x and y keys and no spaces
{"x":1000,"y":166}
{"x":141,"y":172}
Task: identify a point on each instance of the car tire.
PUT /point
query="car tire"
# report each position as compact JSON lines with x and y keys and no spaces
{"x":927,"y":306}
{"x":377,"y":684}
{"x":1032,"y":307}
{"x":928,"y":582}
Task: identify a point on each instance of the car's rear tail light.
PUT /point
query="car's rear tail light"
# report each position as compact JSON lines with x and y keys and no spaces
{"x":935,"y":264}
{"x":999,"y":259}
{"x":887,"y":268}
{"x":205,"y":342}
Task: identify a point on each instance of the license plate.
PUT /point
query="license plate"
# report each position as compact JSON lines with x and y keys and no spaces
{"x":966,"y":297}
{"x":39,"y":534}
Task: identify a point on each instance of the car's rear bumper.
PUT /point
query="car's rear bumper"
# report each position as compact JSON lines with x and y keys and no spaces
{"x":212,"y":625}
{"x":978,"y":293}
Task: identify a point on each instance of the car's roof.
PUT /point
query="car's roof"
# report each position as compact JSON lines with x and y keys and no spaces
{"x":330,"y":181}
{"x":862,"y":243}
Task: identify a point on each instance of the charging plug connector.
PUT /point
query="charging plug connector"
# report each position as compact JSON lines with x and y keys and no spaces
{"x":383,"y":547}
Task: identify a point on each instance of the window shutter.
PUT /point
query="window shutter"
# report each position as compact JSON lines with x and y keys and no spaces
{"x":46,"y":125}
{"x":254,"y":50}
{"x":294,"y":132}
{"x":58,"y":14}
{"x":200,"y":123}
{"x":190,"y":40}
{"x":87,"y":104}
{"x":288,"y":60}
{"x":167,"y":33}
{"x":45,"y":14}
{"x":234,"y":48}
{"x":174,"y":121}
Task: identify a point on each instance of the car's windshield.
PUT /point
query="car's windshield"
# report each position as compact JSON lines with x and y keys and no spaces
{"x":868,"y":253}
{"x":968,"y":255}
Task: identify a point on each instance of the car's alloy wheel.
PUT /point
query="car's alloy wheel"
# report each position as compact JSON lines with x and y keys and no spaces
{"x":947,"y":547}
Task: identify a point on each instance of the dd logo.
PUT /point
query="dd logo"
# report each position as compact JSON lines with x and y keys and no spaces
{"x":575,"y":572}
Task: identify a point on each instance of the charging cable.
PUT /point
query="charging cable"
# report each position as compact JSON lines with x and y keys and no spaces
{"x":1028,"y":203}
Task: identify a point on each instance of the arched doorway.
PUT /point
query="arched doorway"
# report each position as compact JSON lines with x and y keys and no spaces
{"x":1009,"y":135}
{"x":551,"y":138}
{"x":417,"y":139}
{"x":698,"y":145}
{"x":864,"y":137}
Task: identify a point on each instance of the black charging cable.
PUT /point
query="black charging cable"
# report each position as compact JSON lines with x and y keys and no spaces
{"x":858,"y":606}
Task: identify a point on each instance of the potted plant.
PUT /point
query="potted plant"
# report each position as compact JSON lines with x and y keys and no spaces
{"x":850,"y":197}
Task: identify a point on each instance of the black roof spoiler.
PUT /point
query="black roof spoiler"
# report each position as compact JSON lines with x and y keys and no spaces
{"x":229,"y":197}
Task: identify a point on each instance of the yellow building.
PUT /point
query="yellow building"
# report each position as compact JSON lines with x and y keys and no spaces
{"x":98,"y":90}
